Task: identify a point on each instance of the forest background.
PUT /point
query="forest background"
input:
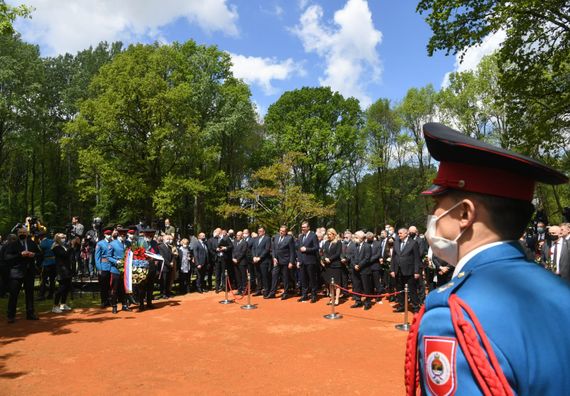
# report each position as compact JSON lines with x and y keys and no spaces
{"x":146,"y":132}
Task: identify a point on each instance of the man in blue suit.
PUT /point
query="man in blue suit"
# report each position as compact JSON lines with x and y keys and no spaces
{"x":500,"y":325}
{"x":200,"y":257}
{"x":103,"y":251}
{"x":283,"y":251}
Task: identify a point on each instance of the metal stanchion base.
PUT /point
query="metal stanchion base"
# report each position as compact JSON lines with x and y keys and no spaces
{"x":227,"y":302}
{"x":249,"y":306}
{"x":333,"y":316}
{"x":403,"y":326}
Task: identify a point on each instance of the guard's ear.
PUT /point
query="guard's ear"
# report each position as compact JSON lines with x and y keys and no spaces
{"x":468,"y":213}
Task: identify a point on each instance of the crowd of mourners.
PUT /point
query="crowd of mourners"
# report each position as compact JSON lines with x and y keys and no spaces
{"x":364,"y":268}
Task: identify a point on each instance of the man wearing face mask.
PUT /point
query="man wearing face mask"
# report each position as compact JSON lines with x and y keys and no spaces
{"x":21,"y":256}
{"x":103,"y":251}
{"x":117,"y":285}
{"x":146,"y":289}
{"x":495,"y":327}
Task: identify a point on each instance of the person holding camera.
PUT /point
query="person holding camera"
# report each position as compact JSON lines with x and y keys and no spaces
{"x":22,"y":255}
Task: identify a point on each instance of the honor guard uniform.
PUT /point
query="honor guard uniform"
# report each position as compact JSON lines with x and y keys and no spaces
{"x":499,"y":327}
{"x":103,"y":251}
{"x":117,"y":285}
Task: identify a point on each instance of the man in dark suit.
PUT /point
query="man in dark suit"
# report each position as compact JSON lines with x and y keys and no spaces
{"x":249,"y":240}
{"x":239,"y":260}
{"x":21,"y":256}
{"x":262,"y":260}
{"x":283,"y":250}
{"x":375,"y":259}
{"x":361,"y":269}
{"x":424,"y":271}
{"x":556,"y":257}
{"x":309,"y":261}
{"x":200,"y":253}
{"x":347,"y":252}
{"x":215,"y":260}
{"x":165,"y":250}
{"x":405,"y":267}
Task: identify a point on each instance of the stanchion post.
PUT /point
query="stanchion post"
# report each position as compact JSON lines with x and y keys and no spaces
{"x":226,"y":300}
{"x":249,"y":305}
{"x":406,"y":325}
{"x":333,"y":315}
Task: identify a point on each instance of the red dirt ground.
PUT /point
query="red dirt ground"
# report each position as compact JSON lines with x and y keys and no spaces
{"x":192,"y":344}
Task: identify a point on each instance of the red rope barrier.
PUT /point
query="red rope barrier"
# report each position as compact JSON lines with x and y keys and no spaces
{"x":235,"y":295}
{"x":369,"y":295}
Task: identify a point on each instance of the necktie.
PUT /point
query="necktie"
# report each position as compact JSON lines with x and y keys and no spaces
{"x":304,"y":237}
{"x":555,"y":256}
{"x":402,"y":244}
{"x":280,"y":239}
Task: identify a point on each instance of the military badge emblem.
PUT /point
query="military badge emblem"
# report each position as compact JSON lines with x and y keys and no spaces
{"x":441,"y":378}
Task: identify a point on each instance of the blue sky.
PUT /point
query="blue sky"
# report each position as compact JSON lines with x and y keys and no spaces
{"x":369,"y":49}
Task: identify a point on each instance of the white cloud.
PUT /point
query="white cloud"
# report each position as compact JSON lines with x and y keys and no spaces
{"x":473,"y":55}
{"x":61,"y":26}
{"x":348,"y":48}
{"x":261,"y":71}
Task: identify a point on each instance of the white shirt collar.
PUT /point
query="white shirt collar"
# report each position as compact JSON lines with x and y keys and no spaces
{"x":465,"y":259}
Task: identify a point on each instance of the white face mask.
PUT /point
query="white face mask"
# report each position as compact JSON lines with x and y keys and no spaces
{"x":443,"y":248}
{"x":108,"y":237}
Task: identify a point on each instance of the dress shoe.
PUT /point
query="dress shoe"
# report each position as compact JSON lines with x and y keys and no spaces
{"x":367,"y":306}
{"x":284,"y":296}
{"x":11,"y":320}
{"x":257,"y":293}
{"x":356,"y":305}
{"x":126,"y":308}
{"x":269,"y":296}
{"x":398,"y":310}
{"x":218,"y":291}
{"x":239,"y":293}
{"x":141,"y":307}
{"x":313,"y":299}
{"x":200,"y":291}
{"x":150,"y":306}
{"x":32,"y":316}
{"x":302,"y":299}
{"x":115,"y":309}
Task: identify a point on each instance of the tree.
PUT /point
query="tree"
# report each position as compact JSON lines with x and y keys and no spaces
{"x":8,"y":15}
{"x":274,"y":199}
{"x":322,"y":125}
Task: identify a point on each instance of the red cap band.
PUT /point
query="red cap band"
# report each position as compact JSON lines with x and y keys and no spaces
{"x":108,"y":232}
{"x":484,"y":180}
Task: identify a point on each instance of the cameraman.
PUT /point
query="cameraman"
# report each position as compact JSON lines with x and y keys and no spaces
{"x":91,"y":238}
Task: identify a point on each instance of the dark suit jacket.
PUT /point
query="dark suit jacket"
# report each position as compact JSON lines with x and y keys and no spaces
{"x":407,"y":261}
{"x":250,"y":241}
{"x":166,"y":252}
{"x":262,"y":249}
{"x":239,"y":252}
{"x":311,"y":243}
{"x":63,"y":262}
{"x":284,"y":252}
{"x":564,"y":263}
{"x":332,"y":251}
{"x":227,"y":242}
{"x":21,"y":266}
{"x":200,"y":254}
{"x":347,"y":252}
{"x":375,"y":254}
{"x":362,"y":258}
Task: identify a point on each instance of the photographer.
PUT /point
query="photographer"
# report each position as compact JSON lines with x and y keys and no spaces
{"x":91,"y":238}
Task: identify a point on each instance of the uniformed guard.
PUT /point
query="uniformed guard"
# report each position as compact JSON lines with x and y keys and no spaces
{"x":102,"y":254}
{"x":118,"y":256}
{"x":499,"y":327}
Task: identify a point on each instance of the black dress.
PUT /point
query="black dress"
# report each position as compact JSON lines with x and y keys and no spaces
{"x":332,"y":251}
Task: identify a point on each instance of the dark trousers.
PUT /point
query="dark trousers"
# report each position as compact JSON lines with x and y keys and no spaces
{"x":105,"y":285}
{"x":185,"y":281}
{"x":377,"y":282}
{"x":259,"y":281}
{"x":310,"y":279}
{"x":367,"y":284}
{"x":277,"y":272}
{"x":62,"y":292}
{"x":48,"y":277}
{"x":421,"y":286}
{"x":344,"y":279}
{"x":165,"y":281}
{"x":201,"y":277}
{"x":356,"y":283}
{"x":401,"y":281}
{"x":253,"y":276}
{"x":220,"y":267}
{"x":117,"y":289}
{"x":14,"y":289}
{"x":241,"y":274}
{"x":265,"y":273}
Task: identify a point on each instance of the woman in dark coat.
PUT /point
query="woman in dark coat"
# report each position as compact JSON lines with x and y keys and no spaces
{"x":63,"y":256}
{"x":332,"y":250}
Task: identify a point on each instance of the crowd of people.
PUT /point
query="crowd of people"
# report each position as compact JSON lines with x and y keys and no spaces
{"x":364,"y":266}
